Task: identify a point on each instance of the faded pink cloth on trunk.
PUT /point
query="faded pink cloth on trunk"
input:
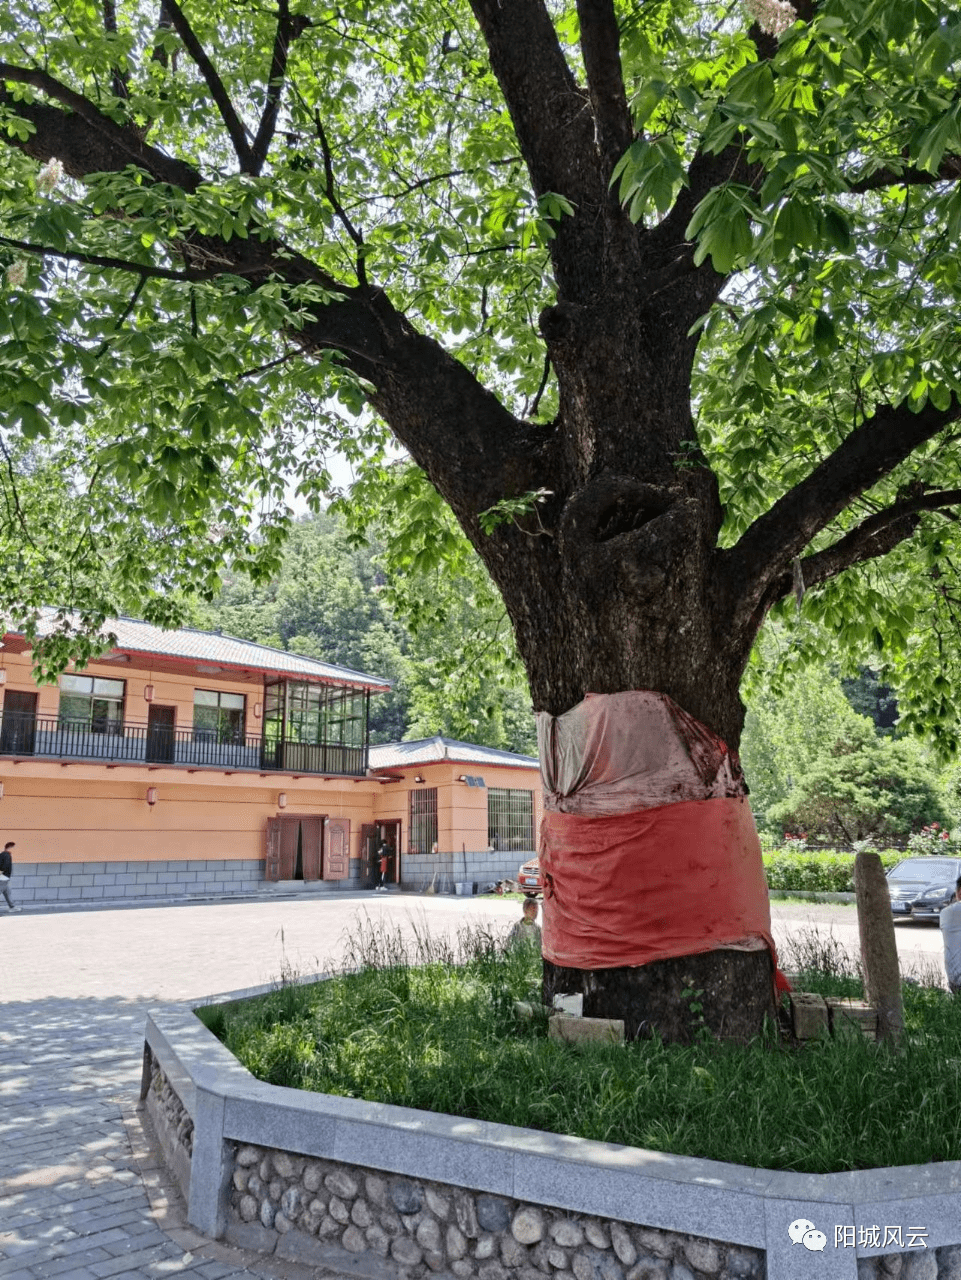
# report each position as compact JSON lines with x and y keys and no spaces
{"x":648,"y":845}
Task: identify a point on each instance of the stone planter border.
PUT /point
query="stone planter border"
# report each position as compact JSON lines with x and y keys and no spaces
{"x":723,"y":1202}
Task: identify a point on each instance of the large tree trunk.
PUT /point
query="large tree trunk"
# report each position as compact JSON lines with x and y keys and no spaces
{"x":725,"y":993}
{"x":619,"y":588}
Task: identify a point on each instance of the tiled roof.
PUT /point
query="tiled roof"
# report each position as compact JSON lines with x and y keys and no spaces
{"x":397,"y":755}
{"x":227,"y":651}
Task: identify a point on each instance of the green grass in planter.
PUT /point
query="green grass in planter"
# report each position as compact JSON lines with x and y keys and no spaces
{"x":443,"y":1037}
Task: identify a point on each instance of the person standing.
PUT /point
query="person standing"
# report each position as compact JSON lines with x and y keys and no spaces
{"x":951,"y":937}
{"x":6,"y":871}
{"x":383,"y":863}
{"x":526,"y":932}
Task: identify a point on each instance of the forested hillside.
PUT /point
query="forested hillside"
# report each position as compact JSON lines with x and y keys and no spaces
{"x":453,"y":667}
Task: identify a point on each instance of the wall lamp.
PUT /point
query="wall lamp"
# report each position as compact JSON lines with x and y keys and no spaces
{"x":151,"y":796}
{"x":3,"y":675}
{"x":471,"y":780}
{"x":1,"y":790}
{"x":258,"y":710}
{"x":282,"y":800}
{"x":148,"y":692}
{"x":418,"y":778}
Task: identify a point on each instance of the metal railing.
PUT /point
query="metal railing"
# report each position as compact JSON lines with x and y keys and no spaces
{"x":49,"y":737}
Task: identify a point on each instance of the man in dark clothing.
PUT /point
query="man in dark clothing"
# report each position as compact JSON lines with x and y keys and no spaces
{"x":6,"y":869}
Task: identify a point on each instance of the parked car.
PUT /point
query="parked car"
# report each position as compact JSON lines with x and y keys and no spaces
{"x":921,"y":888}
{"x":529,"y":878}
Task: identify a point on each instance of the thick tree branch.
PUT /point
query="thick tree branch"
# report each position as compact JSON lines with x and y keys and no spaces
{"x":119,"y":79}
{"x":288,"y":29}
{"x":949,"y":170}
{"x":551,"y":115}
{"x":418,"y":386}
{"x":84,"y":139}
{"x":873,"y":538}
{"x":869,"y":453}
{"x":600,"y":45}
{"x":234,"y":125}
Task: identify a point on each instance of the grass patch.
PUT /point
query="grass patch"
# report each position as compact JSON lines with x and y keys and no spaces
{"x":432,"y":1024}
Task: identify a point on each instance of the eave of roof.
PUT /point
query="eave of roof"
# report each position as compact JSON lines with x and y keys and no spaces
{"x":437,"y":750}
{"x":135,"y":637}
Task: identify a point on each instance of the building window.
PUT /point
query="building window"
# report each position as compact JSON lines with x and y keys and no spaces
{"x":314,"y":713}
{"x":91,"y":704}
{"x":423,"y":820}
{"x":510,"y":819}
{"x":218,"y":717}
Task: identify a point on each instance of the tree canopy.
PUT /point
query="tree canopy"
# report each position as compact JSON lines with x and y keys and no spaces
{"x":662,"y":297}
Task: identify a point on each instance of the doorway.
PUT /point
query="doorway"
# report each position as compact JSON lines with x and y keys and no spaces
{"x":294,"y":847}
{"x":160,"y":734}
{"x":374,"y":836}
{"x":18,"y":730}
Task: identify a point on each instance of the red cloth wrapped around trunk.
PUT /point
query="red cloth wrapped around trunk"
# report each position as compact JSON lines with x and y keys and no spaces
{"x":648,"y":845}
{"x":663,"y":882}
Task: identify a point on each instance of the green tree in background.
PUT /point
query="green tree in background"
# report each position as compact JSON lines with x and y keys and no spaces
{"x":862,"y":787}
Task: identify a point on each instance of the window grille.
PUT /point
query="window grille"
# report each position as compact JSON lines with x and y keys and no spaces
{"x":510,"y":818}
{"x":423,"y":820}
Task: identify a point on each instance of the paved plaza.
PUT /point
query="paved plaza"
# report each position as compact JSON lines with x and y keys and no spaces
{"x":81,"y":1194}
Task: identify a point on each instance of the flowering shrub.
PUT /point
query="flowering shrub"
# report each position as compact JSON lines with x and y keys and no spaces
{"x":932,"y":839}
{"x":795,"y":844}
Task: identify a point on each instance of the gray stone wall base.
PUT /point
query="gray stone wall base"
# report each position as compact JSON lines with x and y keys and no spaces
{"x":444,"y":870}
{"x":49,"y":883}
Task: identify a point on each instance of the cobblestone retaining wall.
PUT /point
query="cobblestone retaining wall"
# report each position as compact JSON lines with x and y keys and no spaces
{"x":936,"y":1264}
{"x":318,"y":1211}
{"x":380,"y":1192}
{"x":172,"y":1124}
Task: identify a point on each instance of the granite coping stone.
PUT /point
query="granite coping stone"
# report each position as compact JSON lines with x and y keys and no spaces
{"x":734,"y":1203}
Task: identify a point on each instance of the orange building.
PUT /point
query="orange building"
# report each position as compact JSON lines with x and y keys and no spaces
{"x":186,"y":763}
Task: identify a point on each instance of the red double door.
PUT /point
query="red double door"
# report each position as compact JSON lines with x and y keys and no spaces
{"x":307,"y":848}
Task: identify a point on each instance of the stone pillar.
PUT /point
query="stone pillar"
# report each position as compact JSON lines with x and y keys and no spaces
{"x":879,"y":952}
{"x":210,"y":1165}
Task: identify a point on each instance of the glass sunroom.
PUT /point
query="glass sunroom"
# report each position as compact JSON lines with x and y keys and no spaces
{"x":311,"y":727}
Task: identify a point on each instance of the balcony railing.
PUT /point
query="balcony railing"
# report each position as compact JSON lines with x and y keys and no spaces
{"x":48,"y":737}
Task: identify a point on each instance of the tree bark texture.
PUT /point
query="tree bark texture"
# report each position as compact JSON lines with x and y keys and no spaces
{"x":727,"y":994}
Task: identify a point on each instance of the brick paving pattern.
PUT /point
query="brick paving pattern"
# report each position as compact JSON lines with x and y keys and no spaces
{"x":82,"y":1196}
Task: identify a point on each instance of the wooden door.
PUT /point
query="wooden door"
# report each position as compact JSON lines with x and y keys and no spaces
{"x":311,"y":838}
{"x":272,"y":861}
{"x":18,"y":729}
{"x":368,"y":854}
{"x":160,"y":734}
{"x":289,"y":847}
{"x":337,"y":853}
